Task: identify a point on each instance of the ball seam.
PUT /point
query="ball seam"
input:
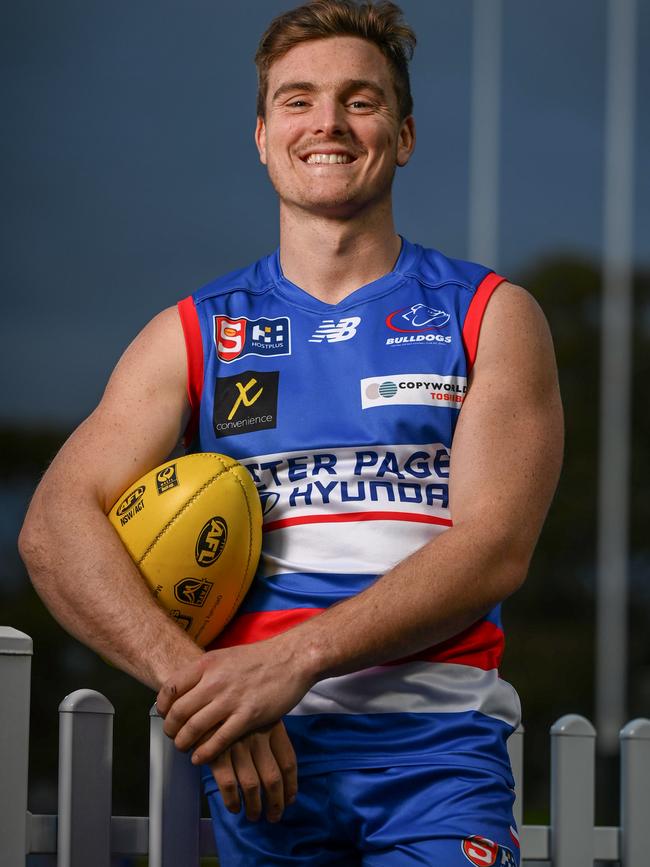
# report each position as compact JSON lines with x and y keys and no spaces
{"x":180,"y":511}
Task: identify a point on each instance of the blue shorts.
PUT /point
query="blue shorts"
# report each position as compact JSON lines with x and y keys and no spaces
{"x":378,"y":817}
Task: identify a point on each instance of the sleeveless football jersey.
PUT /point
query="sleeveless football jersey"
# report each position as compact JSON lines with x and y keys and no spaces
{"x":344,"y":415}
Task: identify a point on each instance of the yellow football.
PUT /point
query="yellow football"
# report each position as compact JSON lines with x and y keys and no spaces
{"x":193,"y":527}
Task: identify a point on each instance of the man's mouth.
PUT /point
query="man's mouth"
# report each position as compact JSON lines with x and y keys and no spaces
{"x":328,"y":159}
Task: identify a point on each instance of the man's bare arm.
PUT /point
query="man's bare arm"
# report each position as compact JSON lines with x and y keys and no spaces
{"x":505,"y":464}
{"x":84,"y":574}
{"x":75,"y":559}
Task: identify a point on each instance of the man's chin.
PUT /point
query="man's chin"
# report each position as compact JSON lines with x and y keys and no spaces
{"x":332,"y":207}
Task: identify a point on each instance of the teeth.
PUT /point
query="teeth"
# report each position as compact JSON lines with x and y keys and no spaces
{"x":325,"y":159}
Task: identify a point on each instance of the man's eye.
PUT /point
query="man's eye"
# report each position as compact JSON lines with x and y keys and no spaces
{"x":297,"y":103}
{"x":359,"y":103}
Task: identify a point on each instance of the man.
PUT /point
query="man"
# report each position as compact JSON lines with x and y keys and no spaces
{"x":399,"y":412}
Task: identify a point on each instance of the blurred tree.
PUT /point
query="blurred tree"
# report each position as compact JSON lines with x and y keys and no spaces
{"x":550,"y":622}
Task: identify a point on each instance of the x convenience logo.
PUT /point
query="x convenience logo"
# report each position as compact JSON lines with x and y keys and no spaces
{"x":246,"y":402}
{"x":243,"y":391}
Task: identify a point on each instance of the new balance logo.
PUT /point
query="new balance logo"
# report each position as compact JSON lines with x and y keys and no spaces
{"x":335,"y":332}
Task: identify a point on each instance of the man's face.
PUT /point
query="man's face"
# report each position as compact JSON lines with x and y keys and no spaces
{"x":332,"y":136}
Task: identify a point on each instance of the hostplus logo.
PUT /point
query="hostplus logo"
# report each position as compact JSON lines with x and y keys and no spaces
{"x":236,"y":338}
{"x":336,"y":332}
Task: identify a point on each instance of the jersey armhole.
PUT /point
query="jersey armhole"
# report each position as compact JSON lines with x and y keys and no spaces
{"x":194,"y":348}
{"x":474,"y":317}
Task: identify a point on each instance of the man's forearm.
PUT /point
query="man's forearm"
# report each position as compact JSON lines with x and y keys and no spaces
{"x":432,"y":595}
{"x":427,"y":598}
{"x":90,"y":584}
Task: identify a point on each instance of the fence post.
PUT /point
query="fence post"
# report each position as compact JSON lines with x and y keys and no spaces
{"x":635,"y":793}
{"x":174,"y":802}
{"x":573,"y":740}
{"x":516,"y":753}
{"x":15,"y":669}
{"x":85,"y":776}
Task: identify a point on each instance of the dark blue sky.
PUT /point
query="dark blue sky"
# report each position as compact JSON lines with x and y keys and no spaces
{"x":129,"y":175}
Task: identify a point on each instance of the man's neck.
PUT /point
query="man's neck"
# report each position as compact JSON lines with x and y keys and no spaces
{"x":329,"y":259}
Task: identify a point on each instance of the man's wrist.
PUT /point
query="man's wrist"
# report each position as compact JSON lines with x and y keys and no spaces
{"x":302,"y":651}
{"x":164,"y":665}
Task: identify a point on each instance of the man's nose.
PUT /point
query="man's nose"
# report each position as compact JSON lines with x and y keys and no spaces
{"x":330,"y":118}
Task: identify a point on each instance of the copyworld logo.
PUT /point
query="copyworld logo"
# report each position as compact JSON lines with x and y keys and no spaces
{"x":431,"y":389}
{"x":386,"y":389}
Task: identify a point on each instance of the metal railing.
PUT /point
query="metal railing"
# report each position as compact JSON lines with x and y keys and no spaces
{"x":174,"y":834}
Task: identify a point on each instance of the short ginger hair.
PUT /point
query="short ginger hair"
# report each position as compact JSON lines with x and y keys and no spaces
{"x":378,"y":22}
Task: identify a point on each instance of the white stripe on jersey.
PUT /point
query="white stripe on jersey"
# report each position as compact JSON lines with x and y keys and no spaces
{"x":404,"y":486}
{"x":361,"y":547}
{"x":415,"y":687}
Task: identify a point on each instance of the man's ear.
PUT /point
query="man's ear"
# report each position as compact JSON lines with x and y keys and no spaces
{"x":260,"y":139}
{"x":406,"y":141}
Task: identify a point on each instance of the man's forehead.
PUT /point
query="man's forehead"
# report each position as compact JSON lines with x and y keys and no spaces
{"x":331,"y":60}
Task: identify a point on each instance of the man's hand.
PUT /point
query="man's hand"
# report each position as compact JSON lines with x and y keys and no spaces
{"x":262,"y":762}
{"x":236,"y":690}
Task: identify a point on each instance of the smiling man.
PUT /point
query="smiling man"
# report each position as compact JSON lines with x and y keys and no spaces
{"x":399,"y":413}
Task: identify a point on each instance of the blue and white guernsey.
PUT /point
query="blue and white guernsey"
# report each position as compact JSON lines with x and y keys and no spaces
{"x":344,"y":415}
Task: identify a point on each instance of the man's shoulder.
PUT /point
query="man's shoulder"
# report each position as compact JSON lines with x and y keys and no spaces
{"x":255,"y":278}
{"x":434,"y":268}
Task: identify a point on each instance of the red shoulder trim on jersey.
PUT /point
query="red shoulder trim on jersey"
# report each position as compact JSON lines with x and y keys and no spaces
{"x":472,"y":324}
{"x":194,"y":347}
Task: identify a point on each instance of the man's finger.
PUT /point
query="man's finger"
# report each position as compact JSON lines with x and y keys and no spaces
{"x":225,"y":736}
{"x":285,"y":756}
{"x":270,"y":775}
{"x":183,"y":710}
{"x":207,"y":718}
{"x":248,"y":777}
{"x":224,"y":775}
{"x":180,"y":682}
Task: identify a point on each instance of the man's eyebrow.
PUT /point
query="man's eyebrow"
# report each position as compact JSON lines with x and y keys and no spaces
{"x":291,"y":86}
{"x":365,"y":84}
{"x":347,"y":86}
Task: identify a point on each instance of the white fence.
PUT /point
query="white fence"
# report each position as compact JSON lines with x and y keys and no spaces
{"x":85,"y":833}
